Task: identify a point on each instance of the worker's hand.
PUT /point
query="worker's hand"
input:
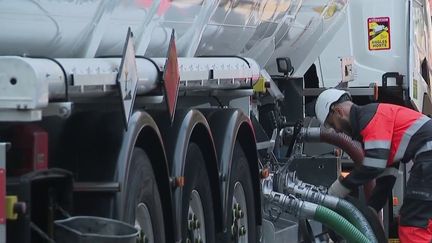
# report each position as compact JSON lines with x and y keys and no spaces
{"x":338,"y":190}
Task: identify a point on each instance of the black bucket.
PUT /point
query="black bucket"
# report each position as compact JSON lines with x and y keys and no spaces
{"x":87,"y":229}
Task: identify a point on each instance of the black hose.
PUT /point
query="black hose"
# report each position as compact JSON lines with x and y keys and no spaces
{"x":340,"y":206}
{"x":304,"y":209}
{"x":354,"y":216}
{"x":355,"y":151}
{"x":339,"y":224}
{"x":371,"y":217}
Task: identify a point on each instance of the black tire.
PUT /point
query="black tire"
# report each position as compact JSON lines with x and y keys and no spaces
{"x":196,"y":179}
{"x":240,"y":172}
{"x":142,"y":188}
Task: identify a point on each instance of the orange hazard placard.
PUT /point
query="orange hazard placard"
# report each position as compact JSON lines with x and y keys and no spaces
{"x":379,"y":33}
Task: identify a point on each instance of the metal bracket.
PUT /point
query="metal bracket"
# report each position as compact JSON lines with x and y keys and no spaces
{"x":269,"y":145}
{"x":347,"y":69}
{"x":274,"y":89}
{"x":60,"y":109}
{"x":96,"y":187}
{"x":396,"y":75}
{"x":11,"y":115}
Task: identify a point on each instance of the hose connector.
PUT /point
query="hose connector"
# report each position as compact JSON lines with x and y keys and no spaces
{"x":291,"y":205}
{"x":305,"y":191}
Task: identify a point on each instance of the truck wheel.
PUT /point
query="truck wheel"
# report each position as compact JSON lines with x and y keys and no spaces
{"x":241,"y":201}
{"x":143,"y":207}
{"x":197,"y":221}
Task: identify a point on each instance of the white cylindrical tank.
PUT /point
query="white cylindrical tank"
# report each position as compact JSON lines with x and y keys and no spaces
{"x":92,"y":28}
{"x":85,"y":28}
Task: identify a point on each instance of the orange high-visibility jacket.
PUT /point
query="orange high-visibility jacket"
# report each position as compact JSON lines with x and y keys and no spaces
{"x":393,"y":134}
{"x":389,"y":134}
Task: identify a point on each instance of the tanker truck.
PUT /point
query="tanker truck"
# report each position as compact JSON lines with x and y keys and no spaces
{"x":187,"y":120}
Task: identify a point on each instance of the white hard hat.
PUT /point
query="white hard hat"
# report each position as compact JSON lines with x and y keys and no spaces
{"x":325,"y":101}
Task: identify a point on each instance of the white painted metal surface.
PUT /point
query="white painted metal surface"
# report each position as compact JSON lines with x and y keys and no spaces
{"x":420,"y":53}
{"x":352,"y":40}
{"x":410,"y":44}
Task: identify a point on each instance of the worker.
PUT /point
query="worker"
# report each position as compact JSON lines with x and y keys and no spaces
{"x":389,"y":134}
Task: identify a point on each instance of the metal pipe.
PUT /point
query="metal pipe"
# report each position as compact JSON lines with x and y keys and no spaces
{"x":31,"y":83}
{"x":100,"y":74}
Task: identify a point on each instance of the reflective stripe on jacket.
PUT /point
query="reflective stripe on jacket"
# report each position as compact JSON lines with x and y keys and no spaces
{"x":388,"y":133}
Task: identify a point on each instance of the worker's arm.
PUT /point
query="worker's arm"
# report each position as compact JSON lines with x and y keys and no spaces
{"x":381,"y":192}
{"x":361,"y":175}
{"x":377,"y":139}
{"x":374,"y":164}
{"x":383,"y":187}
{"x":358,"y":176}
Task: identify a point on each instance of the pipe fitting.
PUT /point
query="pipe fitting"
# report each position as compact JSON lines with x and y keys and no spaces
{"x":291,"y":205}
{"x":305,"y":191}
{"x":311,"y":134}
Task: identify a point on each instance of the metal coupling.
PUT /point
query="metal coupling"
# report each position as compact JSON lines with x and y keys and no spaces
{"x":306,"y":134}
{"x":305,"y":191}
{"x":286,"y":203}
{"x":292,"y":205}
{"x":311,"y":134}
{"x":311,"y":193}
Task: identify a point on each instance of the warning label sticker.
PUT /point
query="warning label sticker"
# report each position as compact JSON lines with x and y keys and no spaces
{"x":379,"y":33}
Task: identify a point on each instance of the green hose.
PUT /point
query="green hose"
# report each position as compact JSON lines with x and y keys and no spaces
{"x":340,"y":225}
{"x":354,"y":216}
